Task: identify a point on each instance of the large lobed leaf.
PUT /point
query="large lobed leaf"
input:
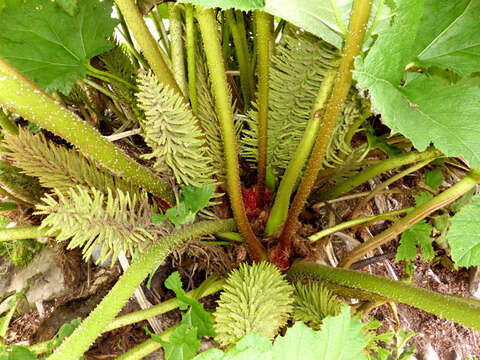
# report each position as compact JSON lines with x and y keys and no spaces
{"x":51,"y":47}
{"x":464,"y":235}
{"x":422,"y":109}
{"x":448,"y":35}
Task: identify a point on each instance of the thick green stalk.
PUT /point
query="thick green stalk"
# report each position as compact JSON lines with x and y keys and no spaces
{"x":75,"y":345}
{"x":147,"y":43}
{"x":371,"y":172}
{"x":351,"y":223}
{"x":353,"y":45}
{"x":263,"y":35}
{"x":208,"y":27}
{"x":26,"y":99}
{"x":279,"y":211}
{"x":421,"y":212}
{"x":190,"y":43}
{"x":462,"y":311}
{"x":21,"y":233}
{"x":176,"y":41}
{"x":246,"y":75}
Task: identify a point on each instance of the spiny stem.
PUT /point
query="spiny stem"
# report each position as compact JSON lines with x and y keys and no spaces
{"x":190,"y":43}
{"x":421,"y":212}
{"x":377,"y":169}
{"x":356,"y":222}
{"x":246,"y":76}
{"x":208,"y":27}
{"x":263,"y":35}
{"x":147,"y":43}
{"x":353,"y":44}
{"x":83,"y":336}
{"x":462,"y":311}
{"x":26,"y":99}
{"x":176,"y":41}
{"x":21,"y":233}
{"x":137,"y":58}
{"x":279,"y":211}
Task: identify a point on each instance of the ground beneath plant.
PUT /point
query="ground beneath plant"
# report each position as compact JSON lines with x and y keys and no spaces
{"x":196,"y":261}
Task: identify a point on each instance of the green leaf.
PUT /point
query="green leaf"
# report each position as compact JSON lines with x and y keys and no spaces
{"x":434,"y":178}
{"x":70,"y":6}
{"x":448,"y":35}
{"x":251,"y":346}
{"x":196,"y":316}
{"x":341,"y":338}
{"x":299,"y":339}
{"x":16,"y":352}
{"x":51,"y":47}
{"x":65,"y":331}
{"x":464,"y":235}
{"x":417,"y":234}
{"x":422,"y":197}
{"x":398,"y":40}
{"x":423,"y":110}
{"x":195,"y":198}
{"x":179,"y":215}
{"x":158,"y":218}
{"x":318,"y":17}
{"x":183,"y":343}
{"x":174,"y":283}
